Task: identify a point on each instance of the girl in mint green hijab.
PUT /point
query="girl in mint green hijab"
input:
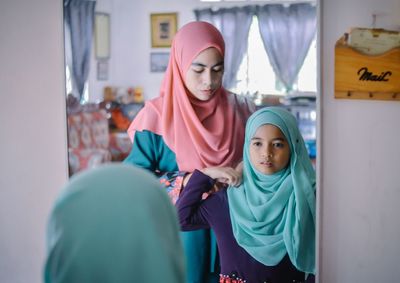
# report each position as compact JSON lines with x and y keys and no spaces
{"x":273,"y":211}
{"x":114,"y":224}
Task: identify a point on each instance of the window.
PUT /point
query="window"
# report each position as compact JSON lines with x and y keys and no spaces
{"x":256,"y":74}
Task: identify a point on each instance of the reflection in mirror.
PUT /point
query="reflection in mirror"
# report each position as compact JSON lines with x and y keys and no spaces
{"x":270,"y":59}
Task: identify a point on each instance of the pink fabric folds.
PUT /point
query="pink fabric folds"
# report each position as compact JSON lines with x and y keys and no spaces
{"x":201,"y":133}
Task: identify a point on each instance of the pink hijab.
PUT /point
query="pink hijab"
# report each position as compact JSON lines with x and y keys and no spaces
{"x":200,"y":133}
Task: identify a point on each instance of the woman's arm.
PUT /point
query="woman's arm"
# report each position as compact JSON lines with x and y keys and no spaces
{"x":151,"y":153}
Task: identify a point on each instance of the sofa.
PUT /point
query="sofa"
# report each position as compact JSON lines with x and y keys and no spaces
{"x":91,"y":142}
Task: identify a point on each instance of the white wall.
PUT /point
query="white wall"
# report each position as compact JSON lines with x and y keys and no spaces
{"x":360,"y":180}
{"x":33,"y":151}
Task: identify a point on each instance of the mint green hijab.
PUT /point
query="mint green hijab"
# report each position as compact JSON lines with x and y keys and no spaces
{"x":274,"y":215}
{"x":114,"y":224}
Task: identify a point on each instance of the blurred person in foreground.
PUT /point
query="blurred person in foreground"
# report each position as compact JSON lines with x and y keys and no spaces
{"x":113,"y":224}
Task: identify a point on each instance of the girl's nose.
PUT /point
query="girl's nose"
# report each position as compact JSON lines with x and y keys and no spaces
{"x":268,"y":151}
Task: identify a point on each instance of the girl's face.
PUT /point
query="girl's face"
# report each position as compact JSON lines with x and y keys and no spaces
{"x":269,"y":150}
{"x":205,"y":73}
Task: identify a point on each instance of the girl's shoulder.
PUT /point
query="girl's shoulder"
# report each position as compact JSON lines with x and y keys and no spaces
{"x":220,"y":196}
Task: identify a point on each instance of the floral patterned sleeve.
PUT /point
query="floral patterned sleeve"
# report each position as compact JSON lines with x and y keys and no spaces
{"x":172,"y":181}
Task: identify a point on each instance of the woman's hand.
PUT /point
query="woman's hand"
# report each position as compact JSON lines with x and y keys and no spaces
{"x":224,"y":175}
{"x":239,"y":167}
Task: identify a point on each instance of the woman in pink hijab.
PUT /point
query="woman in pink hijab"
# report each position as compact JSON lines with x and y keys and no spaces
{"x":195,"y":123}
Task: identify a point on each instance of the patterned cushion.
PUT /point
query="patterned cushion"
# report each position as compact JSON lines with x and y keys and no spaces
{"x":88,"y":130}
{"x":88,"y":140}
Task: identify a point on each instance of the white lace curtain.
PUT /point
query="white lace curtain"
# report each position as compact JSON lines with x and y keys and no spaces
{"x":287,"y":33}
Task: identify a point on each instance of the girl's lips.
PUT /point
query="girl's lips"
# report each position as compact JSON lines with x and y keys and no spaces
{"x":266,"y":163}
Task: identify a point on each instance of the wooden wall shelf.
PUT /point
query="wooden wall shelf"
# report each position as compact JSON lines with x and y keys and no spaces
{"x":362,"y":76}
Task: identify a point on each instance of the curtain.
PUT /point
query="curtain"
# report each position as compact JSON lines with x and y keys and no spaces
{"x":79,"y":17}
{"x":287,"y":33}
{"x":234,"y":24}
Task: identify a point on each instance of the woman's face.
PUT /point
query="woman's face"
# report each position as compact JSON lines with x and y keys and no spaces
{"x":269,"y":150}
{"x":205,"y":73}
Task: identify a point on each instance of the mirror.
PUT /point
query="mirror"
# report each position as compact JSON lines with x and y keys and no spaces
{"x":123,"y":66}
{"x":121,"y":80}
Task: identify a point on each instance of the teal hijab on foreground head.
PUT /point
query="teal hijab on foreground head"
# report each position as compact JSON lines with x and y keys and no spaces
{"x":114,"y":224}
{"x":274,"y":215}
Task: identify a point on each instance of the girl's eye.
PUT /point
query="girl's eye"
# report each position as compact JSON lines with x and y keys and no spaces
{"x":257,"y":144}
{"x":278,"y":145}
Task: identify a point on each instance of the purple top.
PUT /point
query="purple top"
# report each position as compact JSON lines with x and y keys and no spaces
{"x":195,"y":213}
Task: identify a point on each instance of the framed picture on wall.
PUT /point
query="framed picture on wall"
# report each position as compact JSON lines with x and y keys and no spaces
{"x":163,"y":29}
{"x":102,"y":35}
{"x":102,"y":70}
